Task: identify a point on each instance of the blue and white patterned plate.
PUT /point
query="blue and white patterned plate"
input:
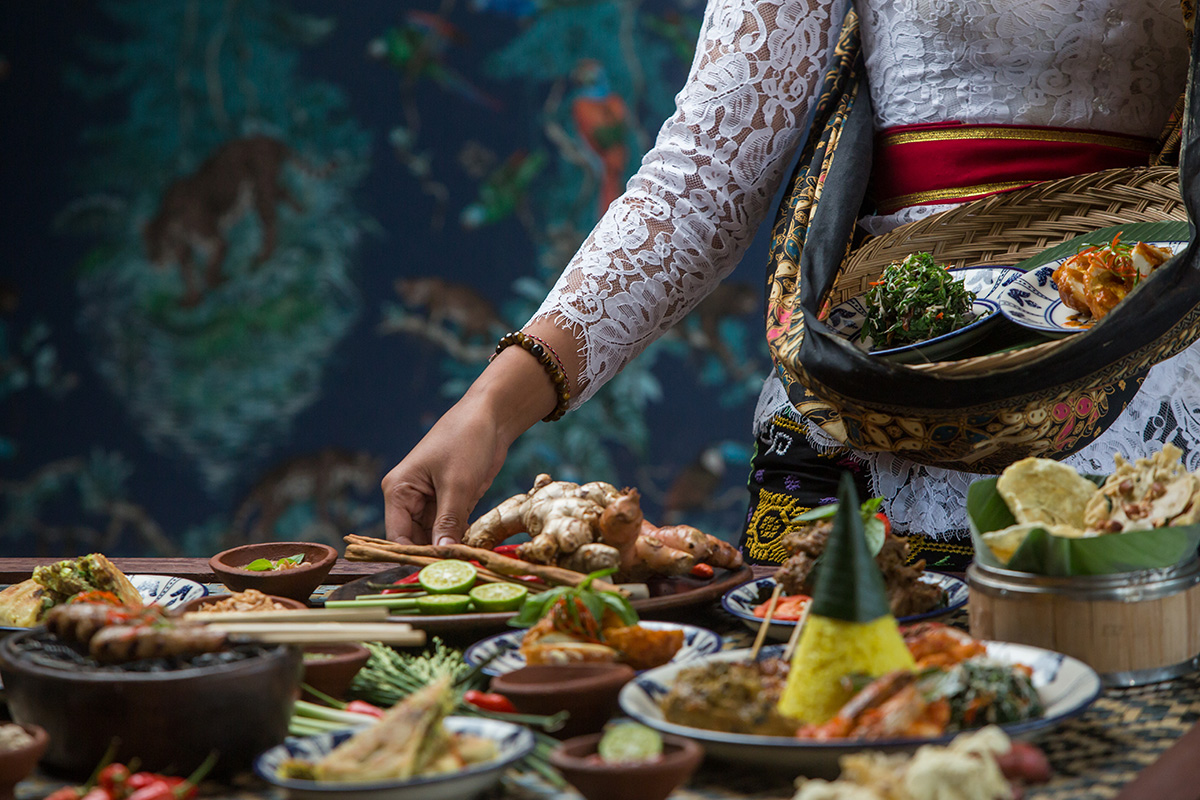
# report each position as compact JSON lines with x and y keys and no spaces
{"x":1066,"y":686}
{"x":697,"y":642}
{"x":1032,"y":300}
{"x":741,"y":600}
{"x":513,"y":742}
{"x":167,"y":590}
{"x":988,"y":284}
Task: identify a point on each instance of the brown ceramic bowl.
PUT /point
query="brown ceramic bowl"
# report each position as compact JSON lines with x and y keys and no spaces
{"x":16,"y":765}
{"x":167,"y":720}
{"x":202,"y":603}
{"x":649,"y":780}
{"x":297,"y":583}
{"x":588,"y":691}
{"x":330,"y":668}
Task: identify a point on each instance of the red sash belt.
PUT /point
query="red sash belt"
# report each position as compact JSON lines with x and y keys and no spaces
{"x":949,"y":162}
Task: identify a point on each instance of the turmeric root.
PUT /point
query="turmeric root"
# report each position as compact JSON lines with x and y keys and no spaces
{"x":655,"y":558}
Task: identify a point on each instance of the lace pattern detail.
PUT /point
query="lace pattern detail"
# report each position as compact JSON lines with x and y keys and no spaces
{"x":692,"y":208}
{"x":1110,"y":65}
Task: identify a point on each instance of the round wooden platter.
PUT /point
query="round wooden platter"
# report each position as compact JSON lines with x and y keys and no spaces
{"x":667,"y":595}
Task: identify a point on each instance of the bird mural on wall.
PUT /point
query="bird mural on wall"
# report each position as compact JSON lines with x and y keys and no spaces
{"x":602,"y":119}
{"x":504,"y":189}
{"x":418,"y":50}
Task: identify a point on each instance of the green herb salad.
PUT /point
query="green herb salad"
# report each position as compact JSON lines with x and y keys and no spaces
{"x":914,"y":300}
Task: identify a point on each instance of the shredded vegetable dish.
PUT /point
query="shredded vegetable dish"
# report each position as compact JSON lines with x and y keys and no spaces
{"x":914,"y":300}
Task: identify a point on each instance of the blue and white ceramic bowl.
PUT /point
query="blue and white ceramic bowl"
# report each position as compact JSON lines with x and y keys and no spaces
{"x":1066,"y":686}
{"x":167,"y":590}
{"x":740,"y":601}
{"x":697,"y":642}
{"x":1032,"y":301}
{"x":513,"y":742}
{"x":988,"y":284}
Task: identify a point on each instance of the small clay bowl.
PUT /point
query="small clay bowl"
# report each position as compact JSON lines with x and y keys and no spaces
{"x":648,"y":780}
{"x":16,"y":765}
{"x":203,"y":603}
{"x":297,"y":583}
{"x":588,"y":691}
{"x":333,"y":668}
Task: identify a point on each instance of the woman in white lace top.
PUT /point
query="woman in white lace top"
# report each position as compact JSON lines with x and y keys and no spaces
{"x":690,"y":211}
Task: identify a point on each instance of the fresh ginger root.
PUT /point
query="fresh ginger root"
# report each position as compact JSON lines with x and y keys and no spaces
{"x":595,"y":526}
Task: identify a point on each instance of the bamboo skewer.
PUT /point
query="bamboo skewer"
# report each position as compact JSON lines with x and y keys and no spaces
{"x":297,"y":615}
{"x":766,"y":623}
{"x":795,"y":637}
{"x":323,"y":632}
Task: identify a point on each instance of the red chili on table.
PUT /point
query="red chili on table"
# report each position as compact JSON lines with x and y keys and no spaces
{"x":489,"y":701}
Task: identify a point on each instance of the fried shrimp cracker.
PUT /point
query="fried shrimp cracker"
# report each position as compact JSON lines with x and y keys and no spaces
{"x":1039,"y":490}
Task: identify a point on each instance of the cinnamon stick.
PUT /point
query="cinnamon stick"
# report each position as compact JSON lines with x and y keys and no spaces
{"x":364,"y":548}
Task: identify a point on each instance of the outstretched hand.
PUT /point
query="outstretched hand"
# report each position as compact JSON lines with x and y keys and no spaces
{"x":429,"y":496}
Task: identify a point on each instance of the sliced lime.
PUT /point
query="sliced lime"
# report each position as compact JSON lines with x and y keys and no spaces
{"x":625,"y":742}
{"x":499,"y":596}
{"x":444,"y":604}
{"x":447,"y":577}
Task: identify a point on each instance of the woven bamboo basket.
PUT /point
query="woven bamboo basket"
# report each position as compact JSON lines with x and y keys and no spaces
{"x":1005,"y":229}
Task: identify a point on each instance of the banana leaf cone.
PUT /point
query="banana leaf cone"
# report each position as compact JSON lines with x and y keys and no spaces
{"x":850,"y":628}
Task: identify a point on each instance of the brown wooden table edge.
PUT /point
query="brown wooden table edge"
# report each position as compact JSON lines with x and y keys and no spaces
{"x":14,"y":570}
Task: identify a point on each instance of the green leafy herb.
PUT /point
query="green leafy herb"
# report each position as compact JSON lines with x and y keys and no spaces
{"x":914,"y":300}
{"x":266,"y":565}
{"x":537,"y":606}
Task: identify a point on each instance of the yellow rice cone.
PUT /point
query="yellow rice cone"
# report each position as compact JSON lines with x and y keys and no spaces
{"x":830,"y":649}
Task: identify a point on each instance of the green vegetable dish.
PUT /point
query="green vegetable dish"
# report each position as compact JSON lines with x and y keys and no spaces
{"x":914,"y":300}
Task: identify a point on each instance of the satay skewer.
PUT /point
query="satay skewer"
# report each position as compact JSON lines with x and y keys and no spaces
{"x":766,"y":623}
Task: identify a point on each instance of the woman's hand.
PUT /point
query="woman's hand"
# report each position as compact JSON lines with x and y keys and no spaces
{"x":429,"y":496}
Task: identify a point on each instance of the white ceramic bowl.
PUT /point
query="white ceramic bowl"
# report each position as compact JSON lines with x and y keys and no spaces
{"x":167,"y":590}
{"x":513,"y":742}
{"x":988,"y":284}
{"x":697,"y":642}
{"x":1066,"y":686}
{"x":740,"y":601}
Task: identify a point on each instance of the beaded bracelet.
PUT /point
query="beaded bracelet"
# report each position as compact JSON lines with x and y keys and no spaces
{"x":549,"y":361}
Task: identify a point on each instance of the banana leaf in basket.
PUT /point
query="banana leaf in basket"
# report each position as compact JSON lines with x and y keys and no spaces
{"x":1045,"y":554}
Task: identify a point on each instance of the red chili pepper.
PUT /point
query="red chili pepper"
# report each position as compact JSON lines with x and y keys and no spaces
{"x":114,"y":778}
{"x":887,"y":523}
{"x":702,"y":571}
{"x":489,"y":701}
{"x":506,"y":549}
{"x":363,"y":707}
{"x":99,"y":793}
{"x":65,"y":793}
{"x":407,"y":579}
{"x":407,"y":588}
{"x":157,"y":789}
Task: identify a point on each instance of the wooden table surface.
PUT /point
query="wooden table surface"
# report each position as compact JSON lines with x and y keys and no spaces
{"x":14,"y":570}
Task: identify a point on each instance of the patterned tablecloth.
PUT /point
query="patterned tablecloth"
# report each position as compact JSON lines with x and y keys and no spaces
{"x":1093,"y":755}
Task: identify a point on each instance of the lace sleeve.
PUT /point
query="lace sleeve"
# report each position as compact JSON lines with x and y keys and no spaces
{"x":692,"y":208}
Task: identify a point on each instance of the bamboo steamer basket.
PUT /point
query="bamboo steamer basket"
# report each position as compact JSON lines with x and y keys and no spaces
{"x":1133,"y":628}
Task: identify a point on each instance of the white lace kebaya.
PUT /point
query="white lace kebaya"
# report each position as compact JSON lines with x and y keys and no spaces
{"x":690,"y":211}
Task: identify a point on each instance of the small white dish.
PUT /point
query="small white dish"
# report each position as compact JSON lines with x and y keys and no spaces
{"x":1066,"y":686}
{"x":988,"y":284}
{"x":697,"y":642}
{"x":513,"y":742}
{"x":1032,"y":300}
{"x":167,"y":590}
{"x":741,"y":601}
